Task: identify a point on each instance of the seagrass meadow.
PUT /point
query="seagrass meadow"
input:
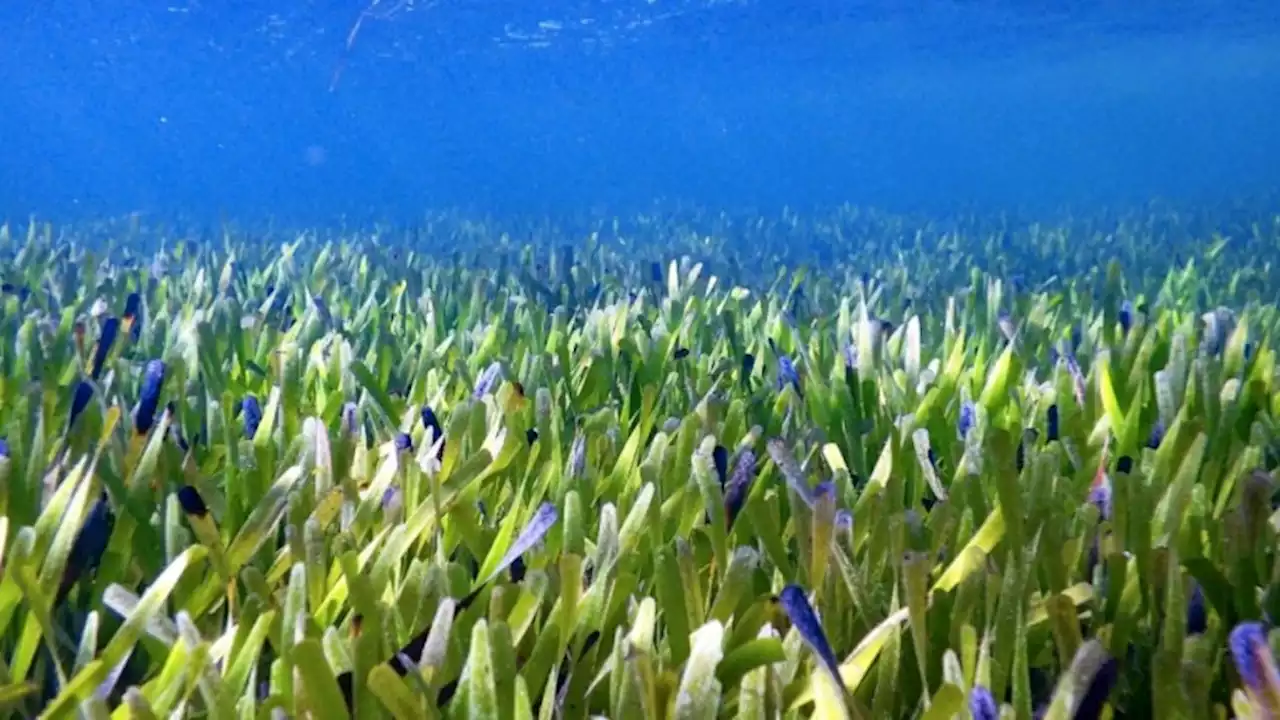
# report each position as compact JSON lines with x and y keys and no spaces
{"x":678,"y":465}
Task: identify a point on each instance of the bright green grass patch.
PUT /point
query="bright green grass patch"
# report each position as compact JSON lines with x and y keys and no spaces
{"x":373,"y":479}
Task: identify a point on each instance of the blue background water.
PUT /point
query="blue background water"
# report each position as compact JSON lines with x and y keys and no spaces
{"x":225,"y":107}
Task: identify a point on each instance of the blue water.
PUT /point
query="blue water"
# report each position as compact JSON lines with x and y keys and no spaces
{"x":211,"y":109}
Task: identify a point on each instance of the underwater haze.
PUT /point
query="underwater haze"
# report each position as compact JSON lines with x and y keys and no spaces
{"x":307,"y":111}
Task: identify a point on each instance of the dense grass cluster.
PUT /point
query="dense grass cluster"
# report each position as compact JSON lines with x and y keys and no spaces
{"x":683,"y":465}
